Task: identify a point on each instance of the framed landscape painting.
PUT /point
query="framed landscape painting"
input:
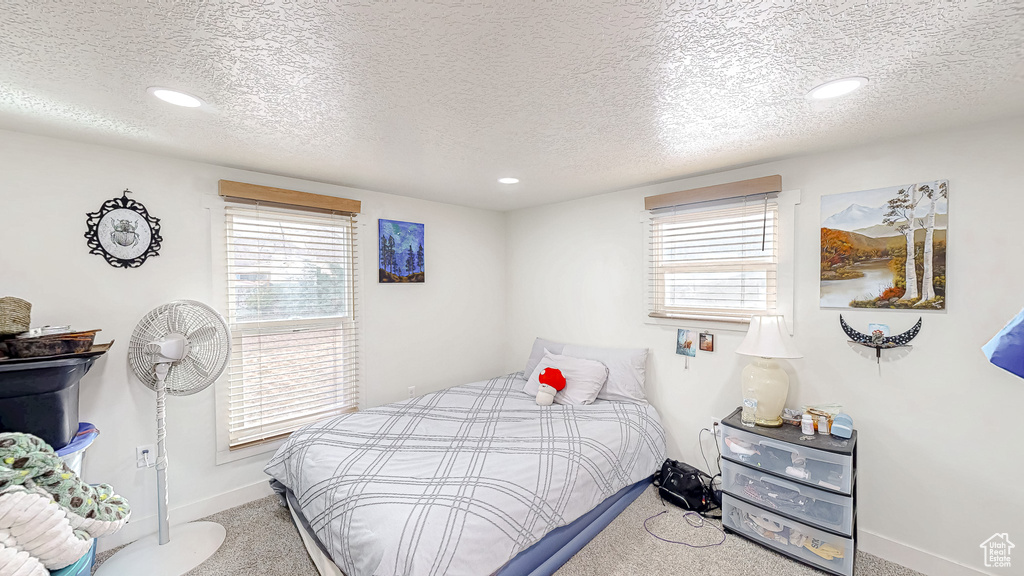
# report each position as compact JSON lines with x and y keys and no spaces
{"x":866,"y":238}
{"x":400,"y":252}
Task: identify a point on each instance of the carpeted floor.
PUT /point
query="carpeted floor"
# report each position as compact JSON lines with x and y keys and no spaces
{"x":625,"y":548}
{"x":261,"y":540}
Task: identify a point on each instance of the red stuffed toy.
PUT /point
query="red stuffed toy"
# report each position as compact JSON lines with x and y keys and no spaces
{"x":551,"y":381}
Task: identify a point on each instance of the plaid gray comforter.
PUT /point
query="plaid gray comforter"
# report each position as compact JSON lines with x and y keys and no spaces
{"x":461,"y":480}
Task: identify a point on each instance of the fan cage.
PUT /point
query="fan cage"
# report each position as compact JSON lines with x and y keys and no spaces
{"x":208,"y":346}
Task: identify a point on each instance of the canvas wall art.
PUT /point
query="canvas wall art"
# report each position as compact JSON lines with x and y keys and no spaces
{"x":400,"y":252}
{"x":686,"y":342}
{"x":885,"y":248}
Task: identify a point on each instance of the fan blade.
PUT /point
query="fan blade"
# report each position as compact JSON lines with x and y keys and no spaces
{"x":202,"y":334}
{"x":165,"y":318}
{"x":176,"y":321}
{"x":159,"y":324}
{"x":199,"y":368}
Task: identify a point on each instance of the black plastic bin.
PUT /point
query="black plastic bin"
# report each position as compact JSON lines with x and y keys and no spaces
{"x":41,"y":398}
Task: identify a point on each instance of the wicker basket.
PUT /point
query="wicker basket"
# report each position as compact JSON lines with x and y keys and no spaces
{"x":15,"y":315}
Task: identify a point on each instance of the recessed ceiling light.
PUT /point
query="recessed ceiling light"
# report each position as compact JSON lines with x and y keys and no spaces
{"x":836,"y":88}
{"x":175,"y":97}
{"x":508,"y":180}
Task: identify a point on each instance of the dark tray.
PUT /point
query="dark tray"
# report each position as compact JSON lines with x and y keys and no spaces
{"x":51,"y":345}
{"x":96,"y":350}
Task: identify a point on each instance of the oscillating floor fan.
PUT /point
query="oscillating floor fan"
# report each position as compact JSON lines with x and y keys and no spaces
{"x":178,"y":349}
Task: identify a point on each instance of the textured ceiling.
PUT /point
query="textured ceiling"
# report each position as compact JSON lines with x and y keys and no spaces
{"x":438,"y":99}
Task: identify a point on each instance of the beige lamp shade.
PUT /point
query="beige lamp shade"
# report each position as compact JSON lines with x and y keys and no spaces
{"x":767,"y":337}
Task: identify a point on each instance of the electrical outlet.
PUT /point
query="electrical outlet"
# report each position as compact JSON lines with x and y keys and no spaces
{"x":145,"y":456}
{"x":412,"y":391}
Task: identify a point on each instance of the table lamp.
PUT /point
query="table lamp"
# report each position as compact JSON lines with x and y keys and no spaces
{"x":765,"y":385}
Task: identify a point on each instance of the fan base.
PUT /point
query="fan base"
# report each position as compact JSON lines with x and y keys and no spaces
{"x":191,"y":544}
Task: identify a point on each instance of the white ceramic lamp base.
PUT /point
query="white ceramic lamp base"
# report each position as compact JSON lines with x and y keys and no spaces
{"x":192,"y":544}
{"x":768,"y":384}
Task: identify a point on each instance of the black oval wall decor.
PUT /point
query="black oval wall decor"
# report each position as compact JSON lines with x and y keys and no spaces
{"x":123,"y":232}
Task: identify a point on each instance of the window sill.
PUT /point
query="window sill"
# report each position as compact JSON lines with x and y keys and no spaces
{"x":702,"y":322}
{"x":229,"y":456}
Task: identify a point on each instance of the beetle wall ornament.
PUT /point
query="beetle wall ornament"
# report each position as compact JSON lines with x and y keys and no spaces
{"x":123,"y":232}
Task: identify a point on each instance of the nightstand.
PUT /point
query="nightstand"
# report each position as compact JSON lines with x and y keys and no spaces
{"x":795,"y":496}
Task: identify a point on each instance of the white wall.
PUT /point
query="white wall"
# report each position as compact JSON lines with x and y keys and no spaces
{"x":449,"y":330}
{"x":939,"y":460}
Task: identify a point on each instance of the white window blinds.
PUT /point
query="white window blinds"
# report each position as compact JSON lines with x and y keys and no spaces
{"x":714,"y":261}
{"x":292,"y":304}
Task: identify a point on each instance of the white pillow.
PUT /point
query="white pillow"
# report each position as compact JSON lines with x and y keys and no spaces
{"x":583,"y":378}
{"x":626,"y":370}
{"x":541,"y":347}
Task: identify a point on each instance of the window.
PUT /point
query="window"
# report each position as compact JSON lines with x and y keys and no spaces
{"x":291,"y":280}
{"x":714,"y":261}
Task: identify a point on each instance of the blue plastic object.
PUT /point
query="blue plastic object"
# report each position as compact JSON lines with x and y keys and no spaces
{"x":1006,"y":349}
{"x":82,"y":440}
{"x":842,"y":426}
{"x":81,"y":568}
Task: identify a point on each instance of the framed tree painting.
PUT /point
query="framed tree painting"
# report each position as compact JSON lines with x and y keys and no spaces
{"x":885,"y":248}
{"x":400,"y":252}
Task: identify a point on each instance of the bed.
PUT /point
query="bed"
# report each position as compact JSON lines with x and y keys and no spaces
{"x":468,"y":480}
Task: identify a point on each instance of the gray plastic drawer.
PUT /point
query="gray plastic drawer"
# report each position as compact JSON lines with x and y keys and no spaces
{"x":816,"y":507}
{"x":810,"y":545}
{"x":801,"y":463}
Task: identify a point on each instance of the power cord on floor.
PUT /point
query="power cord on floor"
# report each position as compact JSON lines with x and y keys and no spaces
{"x":693,"y":519}
{"x":711,"y":483}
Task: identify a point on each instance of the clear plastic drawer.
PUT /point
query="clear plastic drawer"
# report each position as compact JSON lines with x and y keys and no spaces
{"x":801,"y":463}
{"x":811,"y":505}
{"x":810,"y":545}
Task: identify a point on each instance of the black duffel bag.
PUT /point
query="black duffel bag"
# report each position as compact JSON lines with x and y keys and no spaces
{"x":686,"y":487}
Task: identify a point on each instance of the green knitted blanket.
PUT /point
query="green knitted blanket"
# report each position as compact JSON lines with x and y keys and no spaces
{"x":27,"y":461}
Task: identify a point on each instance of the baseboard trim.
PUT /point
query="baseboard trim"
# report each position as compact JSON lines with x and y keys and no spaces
{"x":137,"y":528}
{"x":913,"y":558}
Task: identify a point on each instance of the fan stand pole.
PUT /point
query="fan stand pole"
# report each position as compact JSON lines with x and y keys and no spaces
{"x":163,"y":528}
{"x":156,"y":555}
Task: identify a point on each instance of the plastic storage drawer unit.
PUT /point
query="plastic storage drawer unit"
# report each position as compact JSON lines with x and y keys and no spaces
{"x":796,"y":501}
{"x":802,"y":464}
{"x":820,"y":549}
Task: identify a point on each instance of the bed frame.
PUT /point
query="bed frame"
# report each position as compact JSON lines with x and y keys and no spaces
{"x":544,"y":558}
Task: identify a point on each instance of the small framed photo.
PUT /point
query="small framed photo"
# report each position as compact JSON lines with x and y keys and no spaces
{"x":707,"y":342}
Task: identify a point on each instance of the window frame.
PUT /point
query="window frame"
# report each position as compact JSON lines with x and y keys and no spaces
{"x":708,"y":220}
{"x":787,"y":200}
{"x":216,"y":209}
